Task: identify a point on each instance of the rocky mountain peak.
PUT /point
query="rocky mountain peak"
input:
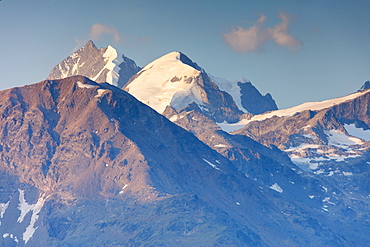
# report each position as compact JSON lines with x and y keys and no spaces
{"x":100,"y":65}
{"x":365,"y":86}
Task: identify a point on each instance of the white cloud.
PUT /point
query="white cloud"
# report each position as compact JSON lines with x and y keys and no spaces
{"x":253,"y":39}
{"x":98,"y":29}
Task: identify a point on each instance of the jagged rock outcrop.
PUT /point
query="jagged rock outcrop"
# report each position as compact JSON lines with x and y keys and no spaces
{"x":100,"y":65}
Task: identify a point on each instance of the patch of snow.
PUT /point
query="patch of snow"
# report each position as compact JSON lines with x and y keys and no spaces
{"x":336,"y":138}
{"x":203,"y":108}
{"x":124,"y":187}
{"x":302,"y":147}
{"x":347,"y":173}
{"x":3,"y":207}
{"x":213,"y":165}
{"x":5,"y":235}
{"x":220,"y":146}
{"x":81,"y":85}
{"x":100,"y":92}
{"x":227,"y":127}
{"x":314,"y":106}
{"x":357,"y":132}
{"x":308,"y":136}
{"x":276,"y":187}
{"x":30,"y":230}
{"x":24,"y":207}
{"x":306,"y":164}
{"x":327,"y":200}
{"x":325,"y":189}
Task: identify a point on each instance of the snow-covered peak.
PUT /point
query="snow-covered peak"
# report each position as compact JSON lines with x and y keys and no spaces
{"x":100,"y":65}
{"x":112,"y":61}
{"x":174,"y":58}
{"x":166,"y":81}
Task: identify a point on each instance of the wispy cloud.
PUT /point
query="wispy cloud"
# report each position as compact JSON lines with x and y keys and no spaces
{"x":98,"y":29}
{"x":253,"y":39}
{"x":79,"y":44}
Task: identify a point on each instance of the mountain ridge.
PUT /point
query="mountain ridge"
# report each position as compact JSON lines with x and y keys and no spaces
{"x":94,"y":164}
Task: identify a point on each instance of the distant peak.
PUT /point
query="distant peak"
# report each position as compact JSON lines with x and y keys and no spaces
{"x":365,"y":86}
{"x":90,"y":43}
{"x":179,"y":56}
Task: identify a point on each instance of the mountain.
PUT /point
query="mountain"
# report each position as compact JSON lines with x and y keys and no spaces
{"x":86,"y":164}
{"x":327,"y":139}
{"x":365,"y":86}
{"x":246,"y":96}
{"x":175,"y":81}
{"x":100,"y":65}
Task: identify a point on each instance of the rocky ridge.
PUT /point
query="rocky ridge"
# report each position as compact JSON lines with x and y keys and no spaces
{"x":100,"y":65}
{"x":94,"y":165}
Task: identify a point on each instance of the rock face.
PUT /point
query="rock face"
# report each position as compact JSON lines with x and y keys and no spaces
{"x":174,"y":80}
{"x":253,"y":101}
{"x":329,"y":140}
{"x":365,"y":86}
{"x":100,"y":65}
{"x":246,"y":96}
{"x":86,"y":164}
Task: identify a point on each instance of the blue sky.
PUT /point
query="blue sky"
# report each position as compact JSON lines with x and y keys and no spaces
{"x":297,"y":50}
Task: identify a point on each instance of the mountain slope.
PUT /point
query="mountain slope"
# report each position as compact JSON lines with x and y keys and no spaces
{"x":86,"y":163}
{"x":328,"y":139}
{"x":174,"y":80}
{"x":100,"y":65}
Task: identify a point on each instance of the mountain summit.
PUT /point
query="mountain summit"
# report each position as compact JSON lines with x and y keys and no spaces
{"x":100,"y":65}
{"x":174,"y":80}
